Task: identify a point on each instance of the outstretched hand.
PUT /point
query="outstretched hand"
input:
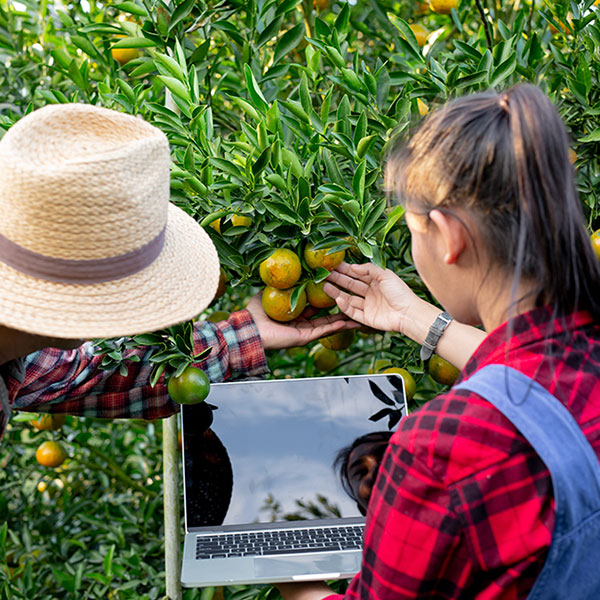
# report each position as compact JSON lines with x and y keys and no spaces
{"x":300,"y":331}
{"x":378,"y":298}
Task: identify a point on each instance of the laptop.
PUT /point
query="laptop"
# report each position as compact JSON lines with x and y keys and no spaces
{"x":263,"y":503}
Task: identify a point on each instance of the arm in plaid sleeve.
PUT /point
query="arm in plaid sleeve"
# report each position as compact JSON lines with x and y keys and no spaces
{"x":71,"y":382}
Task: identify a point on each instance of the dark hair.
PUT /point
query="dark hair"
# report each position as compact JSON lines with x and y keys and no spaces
{"x":340,"y":463}
{"x":505,"y":159}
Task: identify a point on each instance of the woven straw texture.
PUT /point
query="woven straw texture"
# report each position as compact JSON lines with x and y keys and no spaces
{"x":86,"y":183}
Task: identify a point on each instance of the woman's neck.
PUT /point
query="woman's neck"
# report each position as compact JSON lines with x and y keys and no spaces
{"x":498,"y":303}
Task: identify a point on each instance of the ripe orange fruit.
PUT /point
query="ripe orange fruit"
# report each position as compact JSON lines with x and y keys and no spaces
{"x":442,"y":371}
{"x":443,"y":7}
{"x":317,"y":297}
{"x":124,"y":55}
{"x":50,"y":454}
{"x":277,"y":304}
{"x":338,"y":341}
{"x":281,"y":270}
{"x":47,"y":422}
{"x":320,"y":258}
{"x":421,"y":33}
{"x":596,"y":243}
{"x":218,"y":315}
{"x":410,"y":386}
{"x":191,"y":387}
{"x":325,"y":359}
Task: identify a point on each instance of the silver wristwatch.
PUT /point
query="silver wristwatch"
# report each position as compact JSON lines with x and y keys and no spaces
{"x":433,"y":335}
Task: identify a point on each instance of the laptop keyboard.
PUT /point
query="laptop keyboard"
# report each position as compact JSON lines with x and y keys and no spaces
{"x":280,"y":541}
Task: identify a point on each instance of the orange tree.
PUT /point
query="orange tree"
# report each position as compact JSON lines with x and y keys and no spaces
{"x":278,"y":115}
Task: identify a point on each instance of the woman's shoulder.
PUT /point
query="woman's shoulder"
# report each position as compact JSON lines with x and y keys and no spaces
{"x":457,"y":434}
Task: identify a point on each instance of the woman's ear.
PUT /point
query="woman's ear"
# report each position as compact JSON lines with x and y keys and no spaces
{"x":453,"y":235}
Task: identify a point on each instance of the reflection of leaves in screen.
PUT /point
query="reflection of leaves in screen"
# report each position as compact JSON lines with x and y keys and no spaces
{"x":394,"y":414}
{"x":320,"y":508}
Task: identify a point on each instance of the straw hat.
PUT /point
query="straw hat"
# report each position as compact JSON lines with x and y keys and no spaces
{"x":90,"y":246}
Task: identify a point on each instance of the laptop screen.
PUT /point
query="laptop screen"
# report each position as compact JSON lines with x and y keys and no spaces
{"x":269,"y":453}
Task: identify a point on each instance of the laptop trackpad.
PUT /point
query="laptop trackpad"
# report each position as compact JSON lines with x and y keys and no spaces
{"x":325,"y":566}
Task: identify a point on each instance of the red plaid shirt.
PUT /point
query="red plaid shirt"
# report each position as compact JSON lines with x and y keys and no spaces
{"x":70,"y":382}
{"x":463,"y":506}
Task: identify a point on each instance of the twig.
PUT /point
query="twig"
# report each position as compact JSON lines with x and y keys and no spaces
{"x":486,"y":25}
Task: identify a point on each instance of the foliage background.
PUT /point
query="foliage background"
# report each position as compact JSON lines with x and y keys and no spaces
{"x":282,"y":112}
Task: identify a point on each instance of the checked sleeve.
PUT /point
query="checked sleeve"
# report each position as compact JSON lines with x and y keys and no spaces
{"x":71,"y":382}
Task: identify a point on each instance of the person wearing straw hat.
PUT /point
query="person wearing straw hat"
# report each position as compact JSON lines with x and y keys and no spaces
{"x":91,"y":247}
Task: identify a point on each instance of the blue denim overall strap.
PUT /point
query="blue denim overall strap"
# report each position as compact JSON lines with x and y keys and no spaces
{"x":572,"y":567}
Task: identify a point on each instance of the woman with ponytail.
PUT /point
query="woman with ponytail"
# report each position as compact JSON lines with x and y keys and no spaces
{"x":492,"y":489}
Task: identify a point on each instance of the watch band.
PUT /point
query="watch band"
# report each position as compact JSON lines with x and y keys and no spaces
{"x":434,"y":334}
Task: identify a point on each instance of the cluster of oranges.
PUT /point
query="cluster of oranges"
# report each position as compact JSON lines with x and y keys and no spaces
{"x":281,"y":272}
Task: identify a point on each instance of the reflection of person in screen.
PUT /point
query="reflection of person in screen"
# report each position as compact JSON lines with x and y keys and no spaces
{"x":358,"y":464}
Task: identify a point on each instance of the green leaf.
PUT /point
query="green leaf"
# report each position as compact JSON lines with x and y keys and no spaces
{"x":134,"y":42}
{"x":393,"y":218}
{"x":321,"y":274}
{"x":132,"y":8}
{"x":594,"y":136}
{"x":257,"y":96}
{"x":170,"y":65}
{"x":295,"y":297}
{"x":180,"y":13}
{"x":288,"y":41}
{"x":358,"y":181}
{"x":504,"y":70}
{"x":261,"y":162}
{"x":176,"y":87}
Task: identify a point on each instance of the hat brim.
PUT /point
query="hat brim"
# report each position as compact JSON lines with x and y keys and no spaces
{"x":176,"y":287}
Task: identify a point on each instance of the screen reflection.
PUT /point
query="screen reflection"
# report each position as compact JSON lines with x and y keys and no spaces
{"x":276,"y":441}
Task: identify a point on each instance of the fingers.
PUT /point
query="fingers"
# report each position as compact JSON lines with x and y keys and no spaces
{"x":365,"y":272}
{"x":352,"y":285}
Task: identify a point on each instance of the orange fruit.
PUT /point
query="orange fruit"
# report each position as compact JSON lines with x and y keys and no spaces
{"x":47,"y":422}
{"x":295,"y":351}
{"x":50,"y":454}
{"x":325,"y":359}
{"x":338,"y":341}
{"x":320,"y":258}
{"x":124,"y":55}
{"x":191,"y":387}
{"x":443,"y":7}
{"x":277,"y":304}
{"x":442,"y":371}
{"x":281,"y":270}
{"x":410,"y":386}
{"x":218,"y":315}
{"x":320,"y":4}
{"x":241,"y":220}
{"x":572,"y":156}
{"x":596,"y":243}
{"x":317,"y":297}
{"x":421,"y":33}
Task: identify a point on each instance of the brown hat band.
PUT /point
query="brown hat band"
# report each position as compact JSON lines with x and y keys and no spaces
{"x":64,"y":270}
